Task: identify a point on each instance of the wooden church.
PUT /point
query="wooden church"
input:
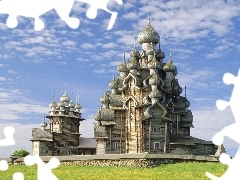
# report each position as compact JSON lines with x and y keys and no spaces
{"x":144,"y":111}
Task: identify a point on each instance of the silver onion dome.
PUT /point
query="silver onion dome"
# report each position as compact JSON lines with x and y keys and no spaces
{"x":148,"y":35}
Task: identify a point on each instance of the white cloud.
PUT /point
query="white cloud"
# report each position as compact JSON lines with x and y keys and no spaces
{"x":88,"y":46}
{"x":22,"y":135}
{"x":115,"y":63}
{"x":33,"y":40}
{"x":186,"y":20}
{"x":196,"y":78}
{"x":87,"y":127}
{"x":69,"y":43}
{"x":2,"y":79}
{"x":15,"y":106}
{"x":209,"y":120}
{"x":130,"y":16}
{"x":82,"y":60}
{"x":87,"y":32}
{"x":99,"y":71}
{"x":11,"y":72}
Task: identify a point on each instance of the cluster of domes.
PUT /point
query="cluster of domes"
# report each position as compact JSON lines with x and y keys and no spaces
{"x":122,"y":67}
{"x":133,"y":64}
{"x":134,"y":53}
{"x":154,"y":64}
{"x":170,"y":67}
{"x":113,"y":84}
{"x":65,"y":105}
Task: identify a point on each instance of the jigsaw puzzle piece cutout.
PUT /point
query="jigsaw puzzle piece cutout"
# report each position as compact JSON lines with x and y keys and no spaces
{"x":231,"y":131}
{"x":18,"y":176}
{"x":8,"y":133}
{"x":3,"y":165}
{"x":95,"y":5}
{"x":44,"y":169}
{"x":232,"y":172}
{"x":36,"y":8}
{"x":229,"y":78}
{"x":63,"y":9}
{"x":221,"y":104}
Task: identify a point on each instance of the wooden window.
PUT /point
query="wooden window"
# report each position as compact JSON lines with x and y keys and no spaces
{"x":69,"y":152}
{"x":156,"y":145}
{"x":154,"y":129}
{"x":115,"y":145}
{"x":157,"y":130}
{"x":58,"y":151}
{"x":65,"y":144}
{"x":161,"y":130}
{"x":45,"y":151}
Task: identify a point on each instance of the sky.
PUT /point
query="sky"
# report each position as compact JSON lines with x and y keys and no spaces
{"x":38,"y":66}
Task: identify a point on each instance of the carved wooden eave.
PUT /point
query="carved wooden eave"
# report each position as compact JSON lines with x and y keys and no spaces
{"x":136,"y":80}
{"x":146,"y":82}
{"x":117,"y":108}
{"x":179,"y":111}
{"x":96,"y":137}
{"x":148,"y":115}
{"x":116,"y":100}
{"x":187,"y":125}
{"x":105,"y":115}
{"x":108,"y":123}
{"x":136,"y":103}
{"x":147,"y":100}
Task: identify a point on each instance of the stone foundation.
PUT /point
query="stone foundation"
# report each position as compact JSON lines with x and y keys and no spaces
{"x":142,"y":160}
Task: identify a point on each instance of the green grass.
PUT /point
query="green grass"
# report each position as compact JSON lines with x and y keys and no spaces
{"x":179,"y":171}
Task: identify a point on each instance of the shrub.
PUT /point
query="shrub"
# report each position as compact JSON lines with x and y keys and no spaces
{"x":21,"y":153}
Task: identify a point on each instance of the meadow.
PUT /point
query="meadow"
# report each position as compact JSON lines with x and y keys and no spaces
{"x":179,"y":171}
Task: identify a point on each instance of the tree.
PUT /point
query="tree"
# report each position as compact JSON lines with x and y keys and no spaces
{"x":21,"y":153}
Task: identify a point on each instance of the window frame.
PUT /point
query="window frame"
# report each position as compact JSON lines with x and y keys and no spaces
{"x":159,"y":145}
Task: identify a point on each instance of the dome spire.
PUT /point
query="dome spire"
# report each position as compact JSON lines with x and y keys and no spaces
{"x":65,"y":87}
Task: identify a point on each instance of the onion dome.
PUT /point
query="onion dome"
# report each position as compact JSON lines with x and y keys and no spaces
{"x":148,"y":35}
{"x":97,"y":117}
{"x":154,"y":80}
{"x":154,"y":64}
{"x":123,"y":67}
{"x":65,"y":98}
{"x":187,"y":103}
{"x":134,"y":53}
{"x":113,"y":84}
{"x":104,"y":99}
{"x":78,"y":106}
{"x":61,"y":104}
{"x":169,"y":67}
{"x":43,"y":124}
{"x":53,"y":105}
{"x":71,"y":105}
{"x":160,"y":53}
{"x":155,"y":94}
{"x":187,"y":119}
{"x":133,"y":64}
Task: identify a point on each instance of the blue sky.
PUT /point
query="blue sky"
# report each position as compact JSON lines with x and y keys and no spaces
{"x":203,"y":37}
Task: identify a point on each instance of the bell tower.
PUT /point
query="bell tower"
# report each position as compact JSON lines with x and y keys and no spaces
{"x":65,"y":120}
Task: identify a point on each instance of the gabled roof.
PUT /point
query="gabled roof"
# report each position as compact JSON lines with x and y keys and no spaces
{"x":187,"y":140}
{"x":41,"y":135}
{"x":87,"y":143}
